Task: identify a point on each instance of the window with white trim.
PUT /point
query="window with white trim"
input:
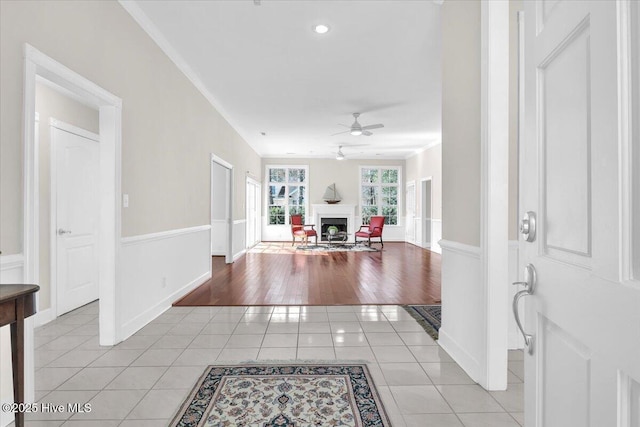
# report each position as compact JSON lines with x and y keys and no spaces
{"x":286,"y":193}
{"x":379,"y":193}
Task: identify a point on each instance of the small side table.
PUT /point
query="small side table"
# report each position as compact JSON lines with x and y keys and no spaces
{"x":17,"y":302}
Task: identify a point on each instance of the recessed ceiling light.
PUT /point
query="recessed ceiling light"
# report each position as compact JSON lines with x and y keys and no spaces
{"x":321,"y":28}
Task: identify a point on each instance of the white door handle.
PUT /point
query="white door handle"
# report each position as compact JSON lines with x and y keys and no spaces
{"x":529,"y":285}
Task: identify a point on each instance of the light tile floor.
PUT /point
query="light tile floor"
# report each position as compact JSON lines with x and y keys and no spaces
{"x":142,"y":381}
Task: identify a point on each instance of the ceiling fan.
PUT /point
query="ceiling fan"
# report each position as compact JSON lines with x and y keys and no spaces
{"x":340,"y":155}
{"x":356,"y":129}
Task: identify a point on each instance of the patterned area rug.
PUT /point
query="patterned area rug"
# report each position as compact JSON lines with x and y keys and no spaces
{"x":283,"y":396}
{"x":428,"y":316}
{"x":311,"y":249}
{"x":337,"y":247}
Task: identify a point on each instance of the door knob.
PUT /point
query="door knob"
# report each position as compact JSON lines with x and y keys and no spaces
{"x":529,"y":284}
{"x":63,"y":231}
{"x":528,"y":226}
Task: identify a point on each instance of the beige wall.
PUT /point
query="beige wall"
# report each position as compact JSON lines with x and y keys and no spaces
{"x":51,"y":104}
{"x":168,"y":129}
{"x":427,"y":163}
{"x":323,"y":172}
{"x":461,"y":121}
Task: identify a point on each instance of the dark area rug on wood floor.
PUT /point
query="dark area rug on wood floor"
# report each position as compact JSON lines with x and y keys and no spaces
{"x":283,"y":395}
{"x":428,"y":316}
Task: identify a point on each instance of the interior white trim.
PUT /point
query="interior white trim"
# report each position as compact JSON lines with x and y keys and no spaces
{"x":466,"y":361}
{"x":73,"y":129}
{"x":9,"y":262}
{"x":143,"y":238}
{"x":494,"y":196}
{"x":461,"y":248}
{"x":230,"y":197}
{"x":109,"y":106}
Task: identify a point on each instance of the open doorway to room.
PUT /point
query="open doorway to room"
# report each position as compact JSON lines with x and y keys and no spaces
{"x":86,"y":166}
{"x":68,"y":158}
{"x":426,"y":212}
{"x":253,"y":232}
{"x":221,"y":208}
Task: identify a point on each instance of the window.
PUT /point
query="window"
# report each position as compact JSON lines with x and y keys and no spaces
{"x":379,"y":193}
{"x":286,"y":193}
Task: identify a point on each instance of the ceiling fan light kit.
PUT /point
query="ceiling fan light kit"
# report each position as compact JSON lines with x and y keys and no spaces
{"x":356,"y":129}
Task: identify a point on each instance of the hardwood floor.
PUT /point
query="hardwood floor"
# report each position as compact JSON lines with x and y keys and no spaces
{"x":400,"y":274}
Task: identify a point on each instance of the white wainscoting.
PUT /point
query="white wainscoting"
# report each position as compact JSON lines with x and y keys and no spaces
{"x":436,"y":235}
{"x":462,"y":333}
{"x":159,"y":268}
{"x":463,"y":318}
{"x":239,"y":238}
{"x":218,"y":237}
{"x":12,"y":272}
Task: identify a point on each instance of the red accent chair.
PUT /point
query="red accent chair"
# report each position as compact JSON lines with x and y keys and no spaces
{"x":300,"y":230}
{"x":374,"y":229}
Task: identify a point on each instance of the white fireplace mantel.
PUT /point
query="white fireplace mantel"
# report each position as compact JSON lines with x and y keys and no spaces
{"x":338,"y":210}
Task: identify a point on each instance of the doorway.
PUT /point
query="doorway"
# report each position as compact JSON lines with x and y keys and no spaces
{"x":39,"y":66}
{"x":221,"y":208}
{"x":74,"y":216}
{"x":426,"y":211}
{"x":253,"y":213}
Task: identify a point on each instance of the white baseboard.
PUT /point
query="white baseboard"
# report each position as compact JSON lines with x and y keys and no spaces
{"x":239,"y":238}
{"x":239,"y":255}
{"x":467,"y":362}
{"x":138,"y":322}
{"x":43,"y":317}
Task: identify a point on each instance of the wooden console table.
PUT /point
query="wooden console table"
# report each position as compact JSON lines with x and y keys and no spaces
{"x":17,"y":302}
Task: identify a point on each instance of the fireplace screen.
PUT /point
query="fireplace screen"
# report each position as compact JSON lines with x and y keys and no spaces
{"x":325,"y":223}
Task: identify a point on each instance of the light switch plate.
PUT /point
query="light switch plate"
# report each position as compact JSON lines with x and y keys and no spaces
{"x":125,"y":200}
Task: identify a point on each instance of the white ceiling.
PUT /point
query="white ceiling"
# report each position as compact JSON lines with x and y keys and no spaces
{"x":267,"y":71}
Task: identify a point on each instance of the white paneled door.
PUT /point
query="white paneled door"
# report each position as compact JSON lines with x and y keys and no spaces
{"x":584,"y":311}
{"x":75,"y":215}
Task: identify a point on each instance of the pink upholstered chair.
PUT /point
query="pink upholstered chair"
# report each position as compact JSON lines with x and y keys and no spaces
{"x":374,"y":229}
{"x":302,"y":231}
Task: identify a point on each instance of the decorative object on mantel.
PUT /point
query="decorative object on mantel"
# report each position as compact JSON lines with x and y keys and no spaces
{"x":331,"y":195}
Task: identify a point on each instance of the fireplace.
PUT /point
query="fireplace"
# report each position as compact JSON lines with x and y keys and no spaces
{"x":326,"y":222}
{"x":328,"y":214}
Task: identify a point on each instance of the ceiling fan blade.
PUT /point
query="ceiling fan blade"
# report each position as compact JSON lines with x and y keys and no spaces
{"x":366,"y":133}
{"x":376,"y":126}
{"x":346,"y":131}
